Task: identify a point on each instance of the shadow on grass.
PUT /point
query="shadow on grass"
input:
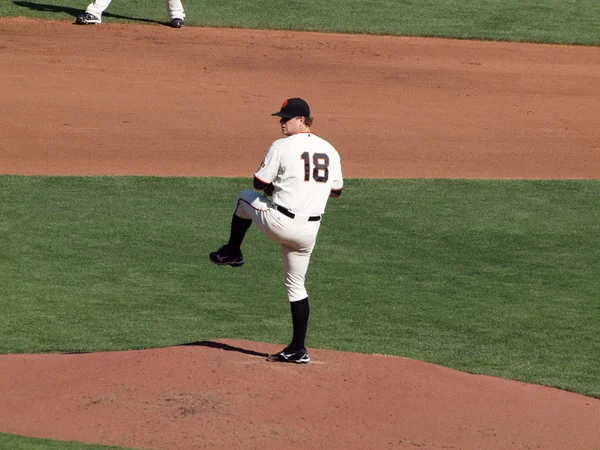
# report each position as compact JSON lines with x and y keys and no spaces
{"x":229,"y":348}
{"x":76,"y":11}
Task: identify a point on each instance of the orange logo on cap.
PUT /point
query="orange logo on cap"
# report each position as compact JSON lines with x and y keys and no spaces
{"x":284,"y":104}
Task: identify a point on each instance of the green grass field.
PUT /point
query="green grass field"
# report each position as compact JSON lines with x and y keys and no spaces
{"x":559,"y":21}
{"x":495,"y":277}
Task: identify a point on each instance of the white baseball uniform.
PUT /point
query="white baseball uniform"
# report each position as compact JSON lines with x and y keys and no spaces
{"x":174,"y":7}
{"x":304,"y":169}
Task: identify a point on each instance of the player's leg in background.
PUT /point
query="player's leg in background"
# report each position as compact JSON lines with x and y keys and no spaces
{"x":176,"y":12}
{"x":98,"y":7}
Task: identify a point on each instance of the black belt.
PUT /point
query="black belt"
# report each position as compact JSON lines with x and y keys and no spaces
{"x":291,"y":215}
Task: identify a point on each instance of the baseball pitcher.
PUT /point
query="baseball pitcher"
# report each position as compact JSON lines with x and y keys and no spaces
{"x":300,"y":171}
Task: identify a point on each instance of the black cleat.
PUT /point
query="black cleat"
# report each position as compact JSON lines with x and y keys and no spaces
{"x":225,"y":257}
{"x":176,"y":23}
{"x":291,"y":356}
{"x":87,"y":19}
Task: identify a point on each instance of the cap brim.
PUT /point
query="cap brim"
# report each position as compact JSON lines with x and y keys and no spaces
{"x":282,"y":114}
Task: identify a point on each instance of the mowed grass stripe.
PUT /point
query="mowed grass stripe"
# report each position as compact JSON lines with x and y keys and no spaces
{"x":495,"y":277}
{"x":15,"y":442}
{"x":548,"y":21}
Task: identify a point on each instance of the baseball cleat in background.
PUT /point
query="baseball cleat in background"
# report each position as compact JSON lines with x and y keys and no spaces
{"x":88,"y":19}
{"x":176,"y":23}
{"x":291,"y":356}
{"x":226,"y":257}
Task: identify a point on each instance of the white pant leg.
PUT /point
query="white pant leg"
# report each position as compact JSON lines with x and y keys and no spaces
{"x":295,"y":266}
{"x":98,"y":7}
{"x":252,"y":205}
{"x":274,"y":225}
{"x":256,"y":207}
{"x":175,"y":9}
{"x":296,"y":240}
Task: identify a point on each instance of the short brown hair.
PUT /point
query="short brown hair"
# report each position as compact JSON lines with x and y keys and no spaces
{"x":308,"y":121}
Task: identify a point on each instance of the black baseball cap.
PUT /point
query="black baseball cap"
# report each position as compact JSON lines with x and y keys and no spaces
{"x":293,"y":107}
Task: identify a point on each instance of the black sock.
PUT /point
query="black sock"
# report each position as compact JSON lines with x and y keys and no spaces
{"x":239,"y":227}
{"x":300,"y":313}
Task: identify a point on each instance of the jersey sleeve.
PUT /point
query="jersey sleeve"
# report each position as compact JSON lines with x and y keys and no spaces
{"x":269,"y":168}
{"x":337,"y":181}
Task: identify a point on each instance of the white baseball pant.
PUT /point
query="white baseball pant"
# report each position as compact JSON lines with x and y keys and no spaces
{"x":296,"y":238}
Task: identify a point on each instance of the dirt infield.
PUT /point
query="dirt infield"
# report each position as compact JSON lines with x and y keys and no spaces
{"x":148,"y":100}
{"x":123,"y":99}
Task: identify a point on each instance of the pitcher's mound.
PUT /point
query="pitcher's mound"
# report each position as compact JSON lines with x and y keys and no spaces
{"x":224,"y":394}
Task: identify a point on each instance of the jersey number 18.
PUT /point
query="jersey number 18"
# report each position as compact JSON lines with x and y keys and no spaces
{"x":320,"y":172}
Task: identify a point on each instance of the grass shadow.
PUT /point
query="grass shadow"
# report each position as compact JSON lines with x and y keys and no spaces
{"x":44,"y":7}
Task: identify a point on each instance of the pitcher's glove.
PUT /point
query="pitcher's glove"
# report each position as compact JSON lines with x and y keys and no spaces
{"x":269,"y":190}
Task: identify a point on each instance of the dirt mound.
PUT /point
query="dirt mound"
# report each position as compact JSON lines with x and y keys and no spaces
{"x":224,"y":394}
